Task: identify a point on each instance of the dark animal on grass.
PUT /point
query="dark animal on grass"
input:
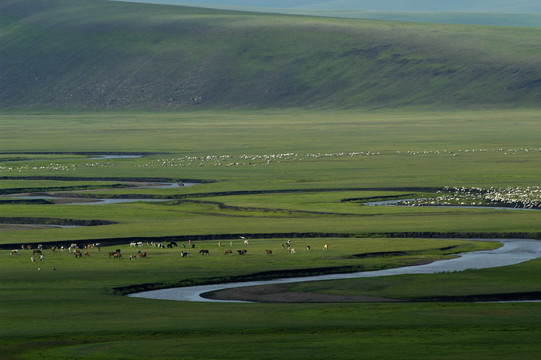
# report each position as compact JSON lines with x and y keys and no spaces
{"x":184,"y":254}
{"x":228,"y":252}
{"x":204,"y":252}
{"x":78,"y":254}
{"x":118,"y":251}
{"x":117,"y":255}
{"x":169,"y":246}
{"x":269,"y":252}
{"x":112,"y":253}
{"x":242,"y":252}
{"x":36,"y":251}
{"x":143,"y":254}
{"x":173,"y":243}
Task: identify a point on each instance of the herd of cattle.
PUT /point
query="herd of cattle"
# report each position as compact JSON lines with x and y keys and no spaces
{"x":80,"y":251}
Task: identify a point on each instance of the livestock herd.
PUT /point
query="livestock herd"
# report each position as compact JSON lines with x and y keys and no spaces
{"x":84,"y":251}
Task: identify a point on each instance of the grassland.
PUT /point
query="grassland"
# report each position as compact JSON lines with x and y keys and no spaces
{"x":271,"y":176}
{"x":296,"y":122}
{"x":103,"y":55}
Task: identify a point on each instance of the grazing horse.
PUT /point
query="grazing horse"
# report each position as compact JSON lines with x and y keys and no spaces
{"x":86,"y":253}
{"x":228,"y":252}
{"x":269,"y":252}
{"x":14,"y":252}
{"x":112,"y":253}
{"x":204,"y":252}
{"x":78,"y":254}
{"x":36,"y":251}
{"x":143,"y":254}
{"x":242,"y":252}
{"x":117,"y":255}
{"x":184,"y":254}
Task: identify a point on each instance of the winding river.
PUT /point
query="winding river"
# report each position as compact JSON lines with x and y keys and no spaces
{"x":97,"y":201}
{"x":512,"y":251}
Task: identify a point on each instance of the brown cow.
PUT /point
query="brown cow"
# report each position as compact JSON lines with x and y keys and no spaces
{"x":269,"y":252}
{"x":228,"y":252}
{"x":78,"y":254}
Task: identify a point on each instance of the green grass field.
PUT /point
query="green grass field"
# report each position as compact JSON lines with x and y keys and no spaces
{"x":270,"y":176}
{"x":288,"y":125}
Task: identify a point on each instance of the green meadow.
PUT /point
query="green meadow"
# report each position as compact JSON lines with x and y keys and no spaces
{"x":271,"y":176}
{"x":282,"y":129}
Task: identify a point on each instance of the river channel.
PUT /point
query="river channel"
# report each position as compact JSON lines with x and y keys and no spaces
{"x":512,"y":251}
{"x":98,"y":201}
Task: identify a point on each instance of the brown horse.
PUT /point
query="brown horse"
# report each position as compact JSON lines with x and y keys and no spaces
{"x":143,"y":254}
{"x":78,"y":254}
{"x":228,"y":252}
{"x":269,"y":252}
{"x":117,"y":255}
{"x":204,"y":252}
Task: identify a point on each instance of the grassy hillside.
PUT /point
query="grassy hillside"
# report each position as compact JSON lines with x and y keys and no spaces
{"x":481,"y":12}
{"x":501,"y":6}
{"x":93,"y":54}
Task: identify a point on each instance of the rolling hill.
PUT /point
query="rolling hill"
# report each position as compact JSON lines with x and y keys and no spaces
{"x":475,"y":12}
{"x":101,"y":55}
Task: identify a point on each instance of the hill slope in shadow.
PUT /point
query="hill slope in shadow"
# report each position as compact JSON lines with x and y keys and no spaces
{"x":93,"y":54}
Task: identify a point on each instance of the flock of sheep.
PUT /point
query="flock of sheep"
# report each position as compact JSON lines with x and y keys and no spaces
{"x":248,"y":159}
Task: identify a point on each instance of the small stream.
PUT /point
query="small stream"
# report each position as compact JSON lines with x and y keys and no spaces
{"x":512,"y":251}
{"x":396,"y":202}
{"x":97,"y":201}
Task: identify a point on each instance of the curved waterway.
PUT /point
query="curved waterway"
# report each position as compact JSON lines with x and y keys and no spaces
{"x":97,"y":201}
{"x":397,"y":203}
{"x":512,"y":251}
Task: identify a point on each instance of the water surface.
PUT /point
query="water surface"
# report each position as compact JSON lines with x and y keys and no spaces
{"x":512,"y":251}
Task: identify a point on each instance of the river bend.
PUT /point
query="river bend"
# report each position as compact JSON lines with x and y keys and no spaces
{"x":512,"y":251}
